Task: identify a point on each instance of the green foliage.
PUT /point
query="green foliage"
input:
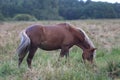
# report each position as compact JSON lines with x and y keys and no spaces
{"x":59,"y":9}
{"x":99,"y":10}
{"x":5,"y":69}
{"x":46,"y":68}
{"x":113,"y":64}
{"x":87,"y":10}
{"x":101,"y":53}
{"x":1,"y":17}
{"x":113,"y":68}
{"x":24,"y":17}
{"x":115,"y":51}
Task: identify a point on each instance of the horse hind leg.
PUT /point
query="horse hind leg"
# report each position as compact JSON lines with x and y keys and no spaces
{"x":21,"y":57}
{"x":20,"y":61}
{"x":30,"y":56}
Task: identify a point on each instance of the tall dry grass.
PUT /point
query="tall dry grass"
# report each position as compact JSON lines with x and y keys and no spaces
{"x":105,"y":34}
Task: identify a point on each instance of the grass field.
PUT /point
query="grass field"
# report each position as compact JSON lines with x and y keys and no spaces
{"x":105,"y":34}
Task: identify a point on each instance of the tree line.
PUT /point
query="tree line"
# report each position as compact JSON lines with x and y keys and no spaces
{"x":58,"y":9}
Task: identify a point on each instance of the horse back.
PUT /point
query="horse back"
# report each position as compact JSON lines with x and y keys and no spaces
{"x":53,"y":37}
{"x":49,"y":36}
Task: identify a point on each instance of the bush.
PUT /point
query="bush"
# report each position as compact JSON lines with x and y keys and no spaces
{"x":24,"y":17}
{"x":113,"y":68}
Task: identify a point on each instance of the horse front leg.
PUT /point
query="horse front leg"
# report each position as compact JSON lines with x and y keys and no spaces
{"x":64,"y":52}
{"x":30,"y":56}
{"x":84,"y":58}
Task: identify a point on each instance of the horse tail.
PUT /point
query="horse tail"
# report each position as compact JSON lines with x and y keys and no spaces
{"x":24,"y":45}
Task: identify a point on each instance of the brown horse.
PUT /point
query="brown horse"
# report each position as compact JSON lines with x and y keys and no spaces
{"x":61,"y":36}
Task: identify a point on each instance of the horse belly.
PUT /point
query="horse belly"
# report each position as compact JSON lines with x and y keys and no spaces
{"x":49,"y":46}
{"x":57,"y":44}
{"x":51,"y":43}
{"x":55,"y":38}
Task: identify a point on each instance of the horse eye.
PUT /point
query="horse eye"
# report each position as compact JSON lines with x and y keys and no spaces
{"x":91,"y":55}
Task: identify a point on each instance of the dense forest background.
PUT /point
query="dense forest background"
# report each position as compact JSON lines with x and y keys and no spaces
{"x":57,"y":10}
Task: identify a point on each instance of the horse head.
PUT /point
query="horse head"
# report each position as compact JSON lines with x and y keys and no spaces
{"x":88,"y":54}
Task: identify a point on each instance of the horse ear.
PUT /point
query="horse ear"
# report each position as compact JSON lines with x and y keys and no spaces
{"x":93,"y":49}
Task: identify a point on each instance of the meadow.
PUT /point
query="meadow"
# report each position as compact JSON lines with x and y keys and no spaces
{"x":105,"y":35}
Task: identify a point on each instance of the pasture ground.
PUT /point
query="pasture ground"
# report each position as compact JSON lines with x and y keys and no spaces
{"x":105,"y":34}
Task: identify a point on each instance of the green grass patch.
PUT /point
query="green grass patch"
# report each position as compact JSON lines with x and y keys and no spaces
{"x":46,"y":67}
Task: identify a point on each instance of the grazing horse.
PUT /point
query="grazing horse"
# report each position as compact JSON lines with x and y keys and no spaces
{"x":60,"y":36}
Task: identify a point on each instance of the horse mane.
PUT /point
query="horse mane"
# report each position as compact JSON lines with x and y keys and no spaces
{"x":87,"y":39}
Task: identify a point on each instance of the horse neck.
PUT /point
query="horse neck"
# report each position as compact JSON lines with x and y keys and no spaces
{"x":87,"y":43}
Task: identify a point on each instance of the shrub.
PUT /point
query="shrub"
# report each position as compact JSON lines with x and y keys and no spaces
{"x":5,"y":69}
{"x":113,"y":68}
{"x":24,"y":17}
